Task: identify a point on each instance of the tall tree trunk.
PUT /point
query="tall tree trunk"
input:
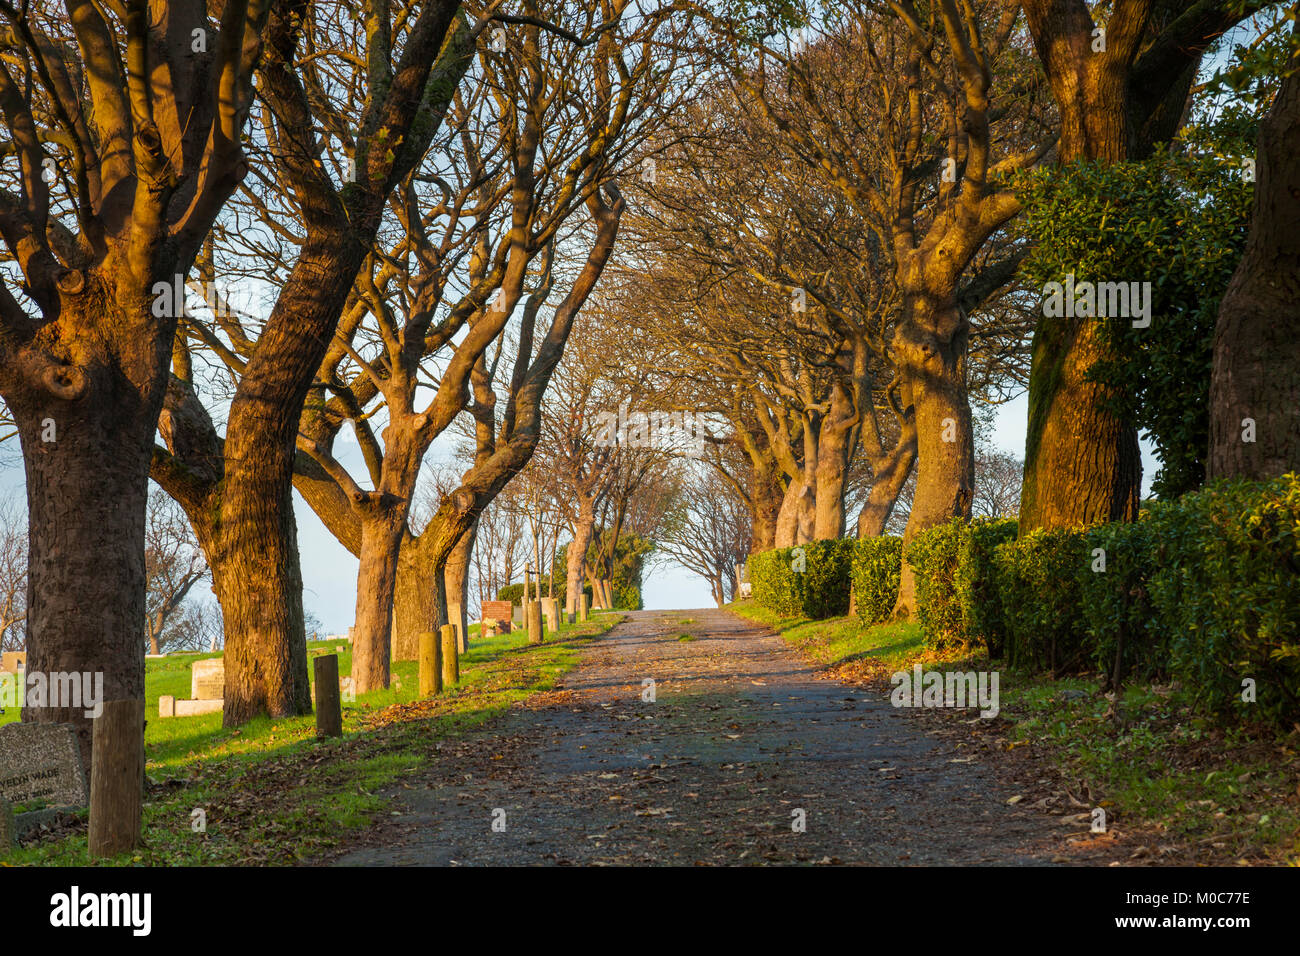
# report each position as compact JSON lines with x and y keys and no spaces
{"x":457,"y":583}
{"x":576,"y":558}
{"x":415,"y":602}
{"x":1256,"y":372}
{"x":835,"y":446}
{"x":259,"y":584}
{"x":87,"y":470}
{"x":796,"y":519}
{"x":765,"y":507}
{"x":1082,"y":463}
{"x":381,"y":539}
{"x":930,"y":348}
{"x":890,"y":475}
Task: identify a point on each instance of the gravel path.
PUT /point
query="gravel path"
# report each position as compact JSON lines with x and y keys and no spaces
{"x":741,"y":736}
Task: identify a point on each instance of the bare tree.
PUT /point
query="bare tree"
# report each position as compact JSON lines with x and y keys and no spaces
{"x":125,"y":126}
{"x":13,"y":575}
{"x":174,"y":563}
{"x":709,"y":533}
{"x":349,"y":108}
{"x":998,"y":475}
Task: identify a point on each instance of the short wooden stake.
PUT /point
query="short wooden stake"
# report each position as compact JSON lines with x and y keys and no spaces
{"x":329,"y":710}
{"x":535,"y":633}
{"x":116,"y":778}
{"x":430,"y":664}
{"x":450,"y":655}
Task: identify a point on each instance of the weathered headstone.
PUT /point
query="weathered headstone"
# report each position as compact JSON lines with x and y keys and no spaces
{"x":41,"y":763}
{"x":11,"y":662}
{"x":499,"y":611}
{"x":208,"y":679}
{"x":550,"y":608}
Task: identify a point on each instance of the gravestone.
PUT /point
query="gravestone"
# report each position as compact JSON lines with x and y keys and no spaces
{"x":12,"y":662}
{"x":550,"y":608}
{"x":208,"y":679}
{"x":517,"y":618}
{"x":499,"y":611}
{"x":41,"y":762}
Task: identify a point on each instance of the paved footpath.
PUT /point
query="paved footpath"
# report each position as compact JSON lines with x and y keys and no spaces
{"x":741,"y":735}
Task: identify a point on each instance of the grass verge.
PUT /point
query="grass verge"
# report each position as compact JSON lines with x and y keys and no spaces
{"x":272,"y":793}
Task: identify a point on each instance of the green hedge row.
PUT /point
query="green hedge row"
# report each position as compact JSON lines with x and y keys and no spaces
{"x":809,"y":580}
{"x":877,"y":563}
{"x":1204,"y":590}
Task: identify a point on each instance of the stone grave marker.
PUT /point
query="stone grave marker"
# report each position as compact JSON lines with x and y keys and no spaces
{"x":208,"y":679}
{"x":41,"y":763}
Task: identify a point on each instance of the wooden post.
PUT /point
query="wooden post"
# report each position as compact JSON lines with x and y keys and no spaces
{"x":430,"y":664}
{"x":450,"y":656}
{"x":582,"y":605}
{"x":329,"y":711}
{"x":456,"y":617}
{"x":116,"y":778}
{"x":533,"y":615}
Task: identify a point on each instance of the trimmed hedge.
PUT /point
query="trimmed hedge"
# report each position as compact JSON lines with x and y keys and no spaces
{"x":1118,"y":617}
{"x":933,"y":555}
{"x":1038,"y":583}
{"x":1204,"y":590}
{"x":877,"y":564}
{"x":957,"y":599}
{"x":1227,"y":595}
{"x":771,"y":581}
{"x":810,"y":580}
{"x":976,"y":586}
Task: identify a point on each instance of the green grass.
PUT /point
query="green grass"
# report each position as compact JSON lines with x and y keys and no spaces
{"x":1228,"y":794}
{"x":274,"y":793}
